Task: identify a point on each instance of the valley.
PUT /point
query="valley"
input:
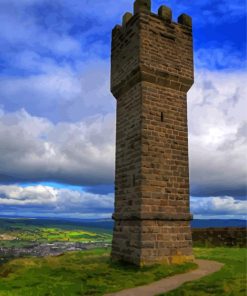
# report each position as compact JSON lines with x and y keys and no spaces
{"x":39,"y":238}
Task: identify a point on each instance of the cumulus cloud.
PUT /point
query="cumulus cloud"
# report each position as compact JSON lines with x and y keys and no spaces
{"x":45,"y":200}
{"x":219,"y":206}
{"x":58,"y":73}
{"x":24,"y":27}
{"x":49,"y":53}
{"x":66,"y":29}
{"x":59,"y":92}
{"x":35,"y":149}
{"x":58,"y":29}
{"x":217,"y":137}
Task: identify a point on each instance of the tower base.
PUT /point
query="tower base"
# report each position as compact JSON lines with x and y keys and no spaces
{"x":147,"y":242}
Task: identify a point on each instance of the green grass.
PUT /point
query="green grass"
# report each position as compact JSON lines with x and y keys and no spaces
{"x":77,"y":273}
{"x":15,"y":244}
{"x":91,"y":273}
{"x":229,"y":281}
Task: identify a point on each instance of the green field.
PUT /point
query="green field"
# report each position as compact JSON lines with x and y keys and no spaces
{"x":92,"y":273}
{"x":19,"y":232}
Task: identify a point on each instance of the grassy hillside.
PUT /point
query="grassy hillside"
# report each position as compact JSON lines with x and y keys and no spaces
{"x":229,"y":281}
{"x":92,"y":273}
{"x":78,"y":273}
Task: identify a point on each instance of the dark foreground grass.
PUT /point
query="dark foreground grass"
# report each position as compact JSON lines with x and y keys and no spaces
{"x":77,"y":273}
{"x":229,"y":281}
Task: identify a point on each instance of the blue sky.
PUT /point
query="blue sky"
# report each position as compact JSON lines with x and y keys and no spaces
{"x":57,"y":115}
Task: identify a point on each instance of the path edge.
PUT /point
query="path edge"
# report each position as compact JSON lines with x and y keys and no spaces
{"x":205,"y":268}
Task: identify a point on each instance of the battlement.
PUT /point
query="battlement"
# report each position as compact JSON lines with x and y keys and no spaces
{"x":151,"y":47}
{"x":164,"y":13}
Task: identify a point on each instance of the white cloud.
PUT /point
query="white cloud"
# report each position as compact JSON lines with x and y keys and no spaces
{"x":61,"y":27}
{"x":217,"y":133}
{"x":33,"y":148}
{"x":59,"y":92}
{"x":46,"y":199}
{"x":75,"y":90}
{"x":219,"y":206}
{"x":21,"y":26}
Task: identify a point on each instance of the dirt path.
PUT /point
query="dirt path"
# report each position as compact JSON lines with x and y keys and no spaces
{"x":205,"y":267}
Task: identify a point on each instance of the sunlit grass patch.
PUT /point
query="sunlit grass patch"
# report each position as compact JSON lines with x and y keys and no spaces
{"x":51,"y":234}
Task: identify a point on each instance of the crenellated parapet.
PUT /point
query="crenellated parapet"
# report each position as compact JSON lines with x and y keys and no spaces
{"x":151,"y":47}
{"x":164,"y":13}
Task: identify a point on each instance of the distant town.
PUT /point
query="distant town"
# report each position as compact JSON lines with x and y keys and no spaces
{"x":40,"y":238}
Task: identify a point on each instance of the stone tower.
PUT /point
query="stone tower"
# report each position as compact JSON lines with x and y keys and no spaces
{"x":151,"y":73}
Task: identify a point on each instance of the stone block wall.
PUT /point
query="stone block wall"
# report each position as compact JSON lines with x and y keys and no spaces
{"x":220,"y":237}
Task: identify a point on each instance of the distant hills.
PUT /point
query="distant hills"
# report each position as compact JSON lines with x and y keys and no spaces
{"x":108,"y":223}
{"x":218,"y":223}
{"x":197,"y":223}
